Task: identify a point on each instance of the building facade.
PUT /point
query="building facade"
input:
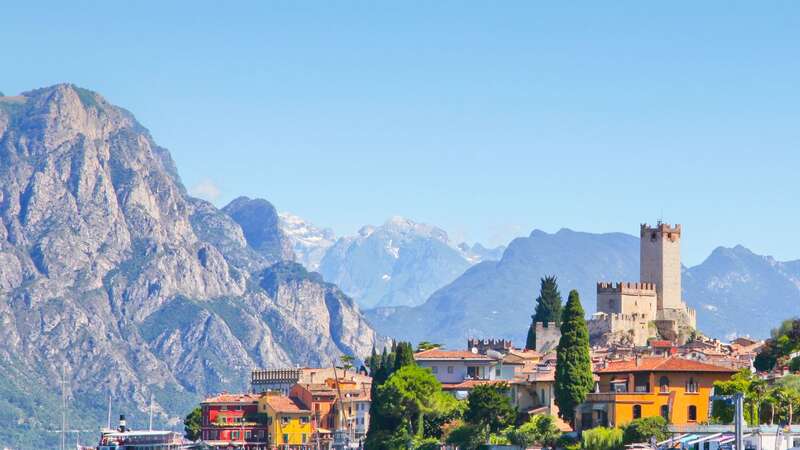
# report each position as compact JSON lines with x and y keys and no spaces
{"x":288,"y":421}
{"x":675,"y":388}
{"x":232,"y":419}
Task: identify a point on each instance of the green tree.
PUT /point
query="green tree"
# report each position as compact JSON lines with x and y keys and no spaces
{"x":601,"y":438}
{"x":192,"y":424}
{"x":489,"y":406}
{"x":788,"y":395}
{"x":404,"y":355}
{"x":347,"y":362}
{"x":446,"y":409}
{"x":645,"y":428}
{"x":548,"y":308}
{"x":573,"y":378}
{"x":467,"y":437}
{"x":541,"y":429}
{"x":408,"y":395}
{"x":425,"y":345}
{"x":739,"y":383}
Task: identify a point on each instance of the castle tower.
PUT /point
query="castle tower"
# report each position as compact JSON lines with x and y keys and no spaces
{"x":660,"y":263}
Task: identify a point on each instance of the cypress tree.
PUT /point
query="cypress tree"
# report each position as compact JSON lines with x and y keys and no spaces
{"x":404,"y":355}
{"x":573,"y":364}
{"x":548,"y":308}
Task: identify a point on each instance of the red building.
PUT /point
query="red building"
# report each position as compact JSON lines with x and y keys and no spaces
{"x":233,"y":419}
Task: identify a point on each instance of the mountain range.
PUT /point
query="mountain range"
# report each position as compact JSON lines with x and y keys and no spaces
{"x":113,"y":277}
{"x":400,"y":263}
{"x":734,"y":291}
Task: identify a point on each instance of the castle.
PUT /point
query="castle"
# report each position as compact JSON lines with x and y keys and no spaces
{"x":633,"y":312}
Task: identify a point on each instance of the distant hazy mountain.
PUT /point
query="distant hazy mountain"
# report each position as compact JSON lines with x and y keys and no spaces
{"x":734,"y":291}
{"x":110,"y":271}
{"x":398,"y":263}
{"x":496,"y":299}
{"x":308,"y":242}
{"x":737,"y":292}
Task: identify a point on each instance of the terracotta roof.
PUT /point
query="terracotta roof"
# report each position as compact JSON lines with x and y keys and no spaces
{"x":436,"y":354}
{"x":232,"y":398}
{"x":281,"y":403}
{"x":660,"y":343}
{"x":671,"y":364}
{"x":468,"y":384}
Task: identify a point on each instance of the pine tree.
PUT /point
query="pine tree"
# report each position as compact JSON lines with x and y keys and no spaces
{"x":404,"y":355}
{"x":548,"y":308}
{"x":573,"y":364}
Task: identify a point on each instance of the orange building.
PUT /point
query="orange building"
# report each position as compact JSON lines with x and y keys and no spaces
{"x":675,"y":388}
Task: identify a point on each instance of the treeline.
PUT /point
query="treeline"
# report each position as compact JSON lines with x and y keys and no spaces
{"x":777,"y":349}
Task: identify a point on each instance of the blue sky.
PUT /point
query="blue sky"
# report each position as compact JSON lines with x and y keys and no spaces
{"x":489,"y":119}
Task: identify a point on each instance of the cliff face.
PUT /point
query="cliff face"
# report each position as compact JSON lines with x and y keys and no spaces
{"x":110,"y":270}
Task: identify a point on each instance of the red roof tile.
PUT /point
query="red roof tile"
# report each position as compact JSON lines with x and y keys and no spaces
{"x":281,"y":403}
{"x":436,"y":354}
{"x":468,"y":384}
{"x":671,"y":364}
{"x":232,"y":398}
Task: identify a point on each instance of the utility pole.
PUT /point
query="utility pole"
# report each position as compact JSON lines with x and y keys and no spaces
{"x":738,"y":418}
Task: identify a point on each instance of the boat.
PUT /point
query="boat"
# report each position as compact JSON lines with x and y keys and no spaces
{"x":123,"y":438}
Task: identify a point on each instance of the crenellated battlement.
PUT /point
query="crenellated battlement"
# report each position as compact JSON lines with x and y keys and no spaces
{"x":606,"y":287}
{"x":661,"y":228}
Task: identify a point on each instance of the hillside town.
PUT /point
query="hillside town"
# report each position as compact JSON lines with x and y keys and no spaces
{"x":653,"y":381}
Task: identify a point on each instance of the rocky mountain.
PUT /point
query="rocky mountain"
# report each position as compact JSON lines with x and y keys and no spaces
{"x":398,"y":263}
{"x":112,"y":274}
{"x":496,"y":298}
{"x":309,"y":243}
{"x":737,"y":292}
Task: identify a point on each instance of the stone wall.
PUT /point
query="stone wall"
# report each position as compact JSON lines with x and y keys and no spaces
{"x":547,"y":336}
{"x":632,"y":327}
{"x":627,"y":298}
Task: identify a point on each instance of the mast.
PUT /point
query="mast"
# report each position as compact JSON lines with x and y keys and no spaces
{"x":64,"y":407}
{"x":108,"y":422}
{"x":150,"y":428}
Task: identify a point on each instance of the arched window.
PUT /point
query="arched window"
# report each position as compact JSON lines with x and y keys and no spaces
{"x":691,"y":386}
{"x":665,"y":412}
{"x":663,"y":383}
{"x":692,"y":413}
{"x":637,"y":411}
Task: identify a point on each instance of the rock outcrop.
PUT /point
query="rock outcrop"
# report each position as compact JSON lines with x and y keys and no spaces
{"x":111,"y":272}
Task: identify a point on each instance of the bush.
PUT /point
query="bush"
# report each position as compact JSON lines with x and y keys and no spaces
{"x":794,"y":364}
{"x":642,"y":430}
{"x":467,"y":437}
{"x":541,"y":429}
{"x":427,"y":444}
{"x":602,"y":438}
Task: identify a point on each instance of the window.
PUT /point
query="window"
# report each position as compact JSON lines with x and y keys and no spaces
{"x":664,"y":384}
{"x":284,"y":420}
{"x":248,"y":434}
{"x":285,"y":438}
{"x":692,"y":413}
{"x":304,"y":420}
{"x":691,"y":386}
{"x":434,"y":369}
{"x":641,"y":382}
{"x":234,"y":435}
{"x":637,"y":411}
{"x":542,"y":398}
{"x":497,"y":371}
{"x":303,"y":437}
{"x":665,"y":412}
{"x":449,"y":369}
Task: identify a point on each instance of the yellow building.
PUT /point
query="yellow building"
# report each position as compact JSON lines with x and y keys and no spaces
{"x":675,"y":388}
{"x":288,"y":421}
